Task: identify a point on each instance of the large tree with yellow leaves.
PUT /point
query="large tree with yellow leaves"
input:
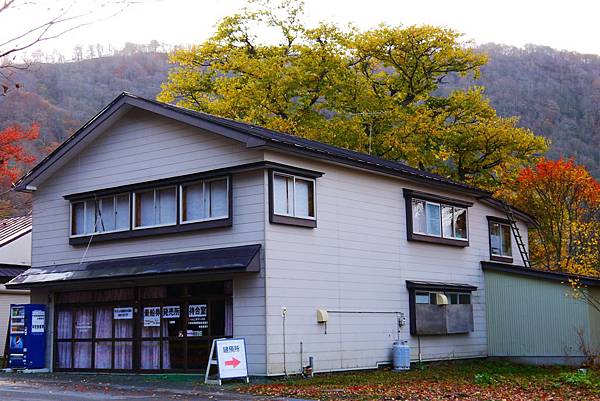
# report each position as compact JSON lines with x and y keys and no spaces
{"x":373,"y":91}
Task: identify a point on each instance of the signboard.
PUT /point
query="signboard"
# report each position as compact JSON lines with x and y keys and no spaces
{"x":197,"y":310}
{"x":123,"y":313}
{"x":170,"y":312}
{"x":231,"y":358}
{"x":38,"y":321}
{"x":152,"y":316}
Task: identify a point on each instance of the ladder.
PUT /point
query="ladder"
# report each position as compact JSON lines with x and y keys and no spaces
{"x":518,"y":238}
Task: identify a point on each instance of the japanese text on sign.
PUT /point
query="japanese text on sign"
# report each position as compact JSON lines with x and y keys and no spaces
{"x":197,"y":310}
{"x":152,"y":316}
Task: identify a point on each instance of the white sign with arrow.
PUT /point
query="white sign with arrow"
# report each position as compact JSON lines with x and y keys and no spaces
{"x":231,"y":359}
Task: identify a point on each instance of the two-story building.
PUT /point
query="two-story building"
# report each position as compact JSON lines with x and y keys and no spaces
{"x":157,"y":229}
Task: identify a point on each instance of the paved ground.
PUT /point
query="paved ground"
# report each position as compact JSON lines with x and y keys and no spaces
{"x":67,"y":387}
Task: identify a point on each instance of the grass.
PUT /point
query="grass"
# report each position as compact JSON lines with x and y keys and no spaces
{"x":459,"y":380}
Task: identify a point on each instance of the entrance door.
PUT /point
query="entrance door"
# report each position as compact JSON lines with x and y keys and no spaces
{"x":147,"y":329}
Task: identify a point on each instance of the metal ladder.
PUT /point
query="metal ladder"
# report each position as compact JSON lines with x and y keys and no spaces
{"x":517,"y":234}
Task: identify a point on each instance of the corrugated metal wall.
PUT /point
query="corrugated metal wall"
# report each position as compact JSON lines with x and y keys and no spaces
{"x":533,"y":317}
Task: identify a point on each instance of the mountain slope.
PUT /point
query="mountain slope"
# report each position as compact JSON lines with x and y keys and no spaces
{"x":556,"y":94}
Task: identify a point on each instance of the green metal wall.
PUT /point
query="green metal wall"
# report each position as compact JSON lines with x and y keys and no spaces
{"x":534,"y":317}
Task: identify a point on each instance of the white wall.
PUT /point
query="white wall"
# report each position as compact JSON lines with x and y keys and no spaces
{"x":17,"y":252}
{"x":358,"y":259}
{"x":142,"y":147}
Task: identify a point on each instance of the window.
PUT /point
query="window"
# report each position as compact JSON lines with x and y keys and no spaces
{"x":155,"y":207}
{"x":205,"y":200}
{"x":430,"y":315}
{"x":454,"y":298}
{"x":438,"y":220}
{"x":293,"y":200}
{"x":293,"y":196}
{"x":500,"y":240}
{"x":104,"y":215}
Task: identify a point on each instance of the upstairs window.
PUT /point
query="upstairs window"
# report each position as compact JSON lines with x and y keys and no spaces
{"x":104,"y":215}
{"x":155,"y":207}
{"x":500,"y":240}
{"x":438,"y":220}
{"x":293,"y":200}
{"x":205,"y":200}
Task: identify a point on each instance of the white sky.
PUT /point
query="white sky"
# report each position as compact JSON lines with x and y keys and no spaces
{"x":567,"y":24}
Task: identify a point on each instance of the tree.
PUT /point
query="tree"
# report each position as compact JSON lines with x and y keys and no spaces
{"x":371,"y":91}
{"x":565,"y":202}
{"x":13,"y":156}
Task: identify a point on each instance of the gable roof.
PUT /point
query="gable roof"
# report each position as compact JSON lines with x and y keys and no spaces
{"x":13,"y":228}
{"x":250,"y":135}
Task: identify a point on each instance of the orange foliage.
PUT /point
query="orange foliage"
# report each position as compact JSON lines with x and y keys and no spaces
{"x":13,"y":154}
{"x":565,"y":201}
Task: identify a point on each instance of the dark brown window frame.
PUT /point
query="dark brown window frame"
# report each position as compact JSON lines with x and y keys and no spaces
{"x":498,"y":258}
{"x":410,"y":194}
{"x":137,"y":302}
{"x":186,"y":227}
{"x":177,"y":227}
{"x":275,"y":218}
{"x":414,"y":287}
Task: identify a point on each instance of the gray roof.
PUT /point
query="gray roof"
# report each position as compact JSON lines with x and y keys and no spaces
{"x":13,"y":228}
{"x":253,"y":136}
{"x":233,"y":259}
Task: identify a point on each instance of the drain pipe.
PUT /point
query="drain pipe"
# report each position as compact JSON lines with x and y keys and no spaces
{"x":301,"y":359}
{"x":283,"y":316}
{"x":419,"y":343}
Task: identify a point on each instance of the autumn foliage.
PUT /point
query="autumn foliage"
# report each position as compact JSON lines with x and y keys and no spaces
{"x":565,"y":201}
{"x":12,"y":151}
{"x":14,"y":157}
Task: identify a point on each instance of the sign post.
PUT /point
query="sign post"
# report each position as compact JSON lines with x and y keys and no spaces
{"x":230,"y":360}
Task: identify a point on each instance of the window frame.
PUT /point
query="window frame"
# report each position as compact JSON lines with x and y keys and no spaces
{"x":204,"y":182}
{"x":289,"y":219}
{"x":415,"y":287}
{"x":134,"y":225}
{"x":98,"y":203}
{"x":493,"y":256}
{"x":447,"y":293}
{"x":144,"y":231}
{"x":441,"y":201}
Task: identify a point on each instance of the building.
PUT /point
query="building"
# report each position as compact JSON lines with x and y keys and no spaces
{"x":157,"y":229}
{"x":15,"y":258}
{"x":570,"y":325}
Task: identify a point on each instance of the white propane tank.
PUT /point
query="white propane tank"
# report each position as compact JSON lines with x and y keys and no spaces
{"x":401,"y":356}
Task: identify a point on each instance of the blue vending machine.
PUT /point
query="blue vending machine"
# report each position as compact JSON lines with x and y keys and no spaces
{"x":27,"y":336}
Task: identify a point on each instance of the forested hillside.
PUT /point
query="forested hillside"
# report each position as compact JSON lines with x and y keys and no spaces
{"x":556,"y":94}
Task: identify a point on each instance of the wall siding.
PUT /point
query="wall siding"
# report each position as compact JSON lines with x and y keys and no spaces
{"x":143,"y":147}
{"x":17,"y":252}
{"x":358,"y":259}
{"x":546,"y":327}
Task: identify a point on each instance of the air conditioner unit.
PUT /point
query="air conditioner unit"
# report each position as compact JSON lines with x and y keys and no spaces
{"x":441,"y":299}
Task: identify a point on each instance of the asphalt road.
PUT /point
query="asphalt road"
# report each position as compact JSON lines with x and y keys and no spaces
{"x":25,"y":388}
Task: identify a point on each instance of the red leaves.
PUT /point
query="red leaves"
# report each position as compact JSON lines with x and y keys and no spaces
{"x":13,"y":153}
{"x":426,"y":390}
{"x":439,"y":382}
{"x":560,"y":174}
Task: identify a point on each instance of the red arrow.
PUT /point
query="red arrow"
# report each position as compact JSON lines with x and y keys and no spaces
{"x":232,"y":362}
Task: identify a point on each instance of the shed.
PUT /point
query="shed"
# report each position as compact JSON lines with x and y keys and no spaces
{"x":532,"y":316}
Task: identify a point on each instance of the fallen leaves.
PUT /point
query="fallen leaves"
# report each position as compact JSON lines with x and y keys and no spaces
{"x":437,"y":384}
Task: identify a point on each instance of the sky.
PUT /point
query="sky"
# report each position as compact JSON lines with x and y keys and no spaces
{"x":567,"y":25}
